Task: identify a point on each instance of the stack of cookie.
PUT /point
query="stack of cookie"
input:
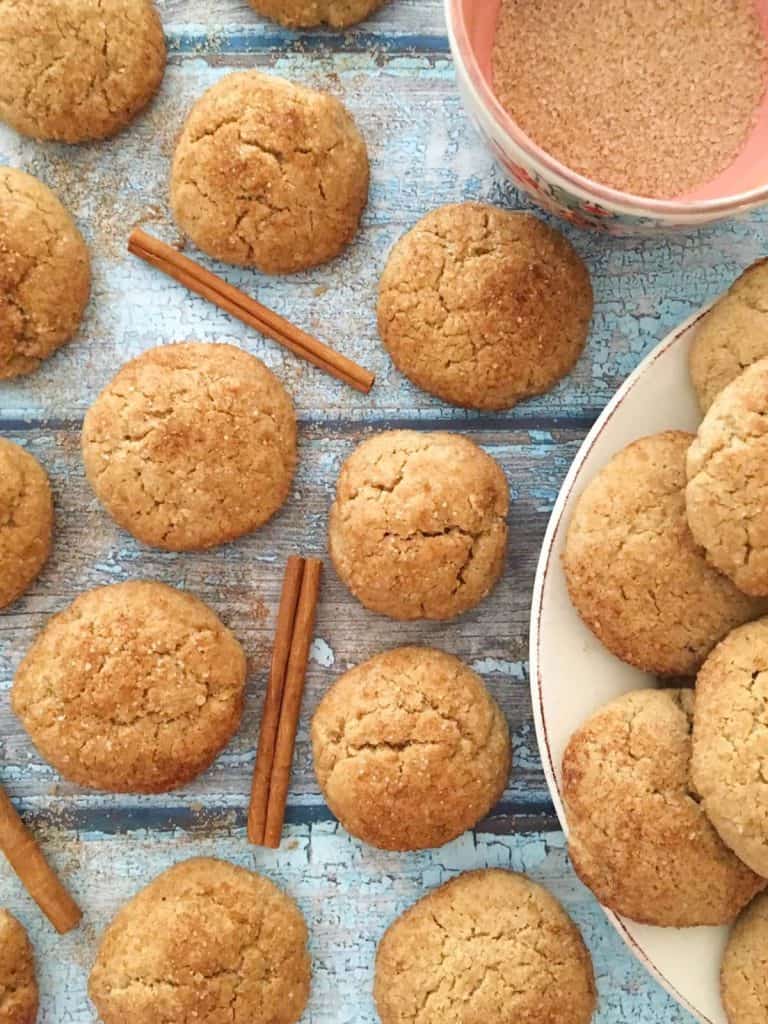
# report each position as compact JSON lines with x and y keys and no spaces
{"x":666,"y":561}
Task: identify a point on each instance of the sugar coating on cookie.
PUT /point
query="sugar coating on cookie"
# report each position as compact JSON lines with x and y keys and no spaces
{"x":732,"y":336}
{"x":410,"y":749}
{"x":309,"y":13}
{"x":729,"y":741}
{"x":269,"y":174}
{"x":26,"y":520}
{"x":487,"y":946}
{"x":637,"y":835}
{"x":634,"y":572}
{"x":18,"y":984}
{"x":134,"y":688}
{"x":45,"y":272}
{"x":204,"y":941}
{"x":418,"y":527}
{"x":191,"y":445}
{"x":743,"y":978}
{"x":75,"y":70}
{"x":727,"y":492}
{"x":484,"y":307}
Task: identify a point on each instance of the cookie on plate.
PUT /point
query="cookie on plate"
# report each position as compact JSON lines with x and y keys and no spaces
{"x":309,"y":13}
{"x":204,"y":941}
{"x":45,"y":272}
{"x":75,"y":70}
{"x":26,"y":520}
{"x":743,"y":978}
{"x":487,"y":946}
{"x":732,"y":336}
{"x":134,"y":688}
{"x":418,"y":529}
{"x":269,"y":174}
{"x":634,"y":572}
{"x":410,"y":749}
{"x":727,"y":493}
{"x":191,"y":445}
{"x":18,"y":984}
{"x":637,"y":836}
{"x":484,"y":307}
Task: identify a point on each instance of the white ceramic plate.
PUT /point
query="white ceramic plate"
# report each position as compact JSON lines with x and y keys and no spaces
{"x":572,"y":674}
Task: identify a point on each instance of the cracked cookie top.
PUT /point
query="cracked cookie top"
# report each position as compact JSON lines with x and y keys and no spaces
{"x":75,"y":70}
{"x":45,"y":272}
{"x":732,"y":336}
{"x":269,"y":174}
{"x":18,"y":985}
{"x":418,"y":529}
{"x":134,"y":688}
{"x":486,"y":946}
{"x":410,"y":749}
{"x":637,"y":834}
{"x":727,"y":493}
{"x":634,"y":572}
{"x":191,"y":445}
{"x":26,"y":520}
{"x":205,"y":941}
{"x":309,"y":13}
{"x":730,"y":729}
{"x":483,"y":307}
{"x":743,"y":978}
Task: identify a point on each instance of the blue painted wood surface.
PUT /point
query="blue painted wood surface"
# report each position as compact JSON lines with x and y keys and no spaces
{"x":395,"y":74}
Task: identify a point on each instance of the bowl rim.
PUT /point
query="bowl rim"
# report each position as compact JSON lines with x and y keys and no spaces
{"x":464,"y":55}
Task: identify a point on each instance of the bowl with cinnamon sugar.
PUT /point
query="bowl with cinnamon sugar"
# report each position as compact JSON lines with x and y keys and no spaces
{"x":630,"y":116}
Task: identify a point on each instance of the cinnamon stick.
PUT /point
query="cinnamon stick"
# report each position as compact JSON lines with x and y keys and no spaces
{"x":292,"y":696}
{"x":270,"y":719}
{"x":27,"y":860}
{"x":213,"y":288}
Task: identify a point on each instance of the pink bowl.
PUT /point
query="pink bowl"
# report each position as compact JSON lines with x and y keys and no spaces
{"x":742,"y":187}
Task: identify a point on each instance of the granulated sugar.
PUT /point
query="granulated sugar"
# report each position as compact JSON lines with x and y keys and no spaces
{"x":652,"y":97}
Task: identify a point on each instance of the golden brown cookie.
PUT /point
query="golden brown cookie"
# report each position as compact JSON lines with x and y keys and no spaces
{"x":269,"y":174}
{"x":729,"y":741}
{"x":191,"y":445}
{"x":487,"y":946}
{"x":410,"y":749}
{"x":75,"y":70}
{"x":637,"y":835}
{"x":26,"y":520}
{"x":205,"y":941}
{"x":634,"y":572}
{"x":45,"y":271}
{"x":18,"y":985}
{"x":743,"y":978}
{"x":134,"y":688}
{"x":309,"y":13}
{"x":418,"y":529}
{"x":483,"y":307}
{"x":727,"y":493}
{"x":732,"y":336}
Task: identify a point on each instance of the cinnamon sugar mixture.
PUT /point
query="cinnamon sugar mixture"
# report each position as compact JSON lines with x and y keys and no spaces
{"x":652,"y":97}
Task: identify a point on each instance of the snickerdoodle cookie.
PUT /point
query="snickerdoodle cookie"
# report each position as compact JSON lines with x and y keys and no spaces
{"x":732,"y":336}
{"x":418,"y":529}
{"x":483,"y":307}
{"x":487,"y":946}
{"x":205,"y":941}
{"x":634,"y":572}
{"x":134,"y":688}
{"x":637,"y":835}
{"x":308,"y":13}
{"x":410,"y":749}
{"x":45,"y":272}
{"x":727,"y":493}
{"x":191,"y":445}
{"x":730,"y":742}
{"x":18,"y":985}
{"x":75,"y":70}
{"x":743,"y":977}
{"x":26,"y":520}
{"x":269,"y":174}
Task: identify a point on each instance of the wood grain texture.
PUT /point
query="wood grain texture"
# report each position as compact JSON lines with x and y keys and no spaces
{"x":396,"y":76}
